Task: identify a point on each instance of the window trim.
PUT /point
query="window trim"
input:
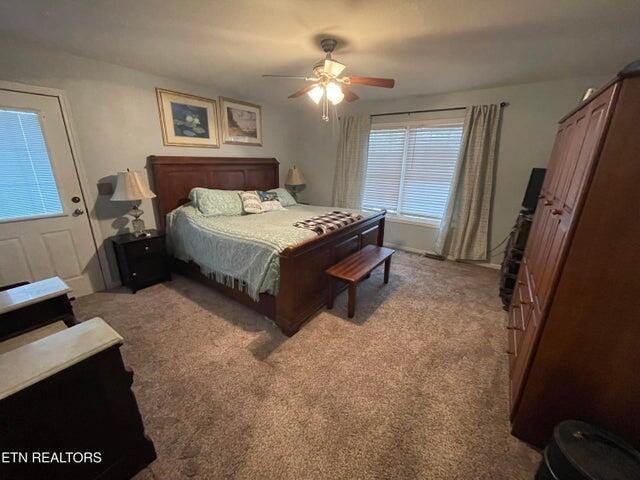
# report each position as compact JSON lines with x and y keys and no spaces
{"x":409,"y":220}
{"x":419,"y":123}
{"x":395,"y":217}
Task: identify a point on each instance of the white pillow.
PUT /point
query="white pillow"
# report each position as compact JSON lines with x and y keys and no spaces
{"x":271,"y":205}
{"x":251,"y":203}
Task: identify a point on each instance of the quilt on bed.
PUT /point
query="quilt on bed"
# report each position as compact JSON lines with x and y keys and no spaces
{"x":243,"y":247}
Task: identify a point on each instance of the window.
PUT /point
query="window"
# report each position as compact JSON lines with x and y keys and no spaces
{"x":410,"y":167}
{"x":27,"y":185}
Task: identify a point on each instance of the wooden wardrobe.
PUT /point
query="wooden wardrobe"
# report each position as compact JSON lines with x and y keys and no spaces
{"x":574,"y":319}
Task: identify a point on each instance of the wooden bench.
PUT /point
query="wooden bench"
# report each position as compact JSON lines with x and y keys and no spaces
{"x":357,"y":267}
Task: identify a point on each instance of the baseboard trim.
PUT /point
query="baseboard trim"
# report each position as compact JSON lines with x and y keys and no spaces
{"x":492,"y":266}
{"x":398,"y":246}
{"x":435,"y":256}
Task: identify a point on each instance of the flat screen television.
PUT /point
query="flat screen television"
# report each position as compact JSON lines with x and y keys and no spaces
{"x":530,"y":199}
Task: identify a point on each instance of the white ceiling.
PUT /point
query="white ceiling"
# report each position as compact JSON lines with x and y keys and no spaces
{"x":427,"y":46}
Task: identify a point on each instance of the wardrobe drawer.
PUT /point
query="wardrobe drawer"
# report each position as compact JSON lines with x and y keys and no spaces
{"x":516,"y":317}
{"x":521,"y":362}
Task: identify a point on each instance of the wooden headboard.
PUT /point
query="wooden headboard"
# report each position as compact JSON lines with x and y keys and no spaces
{"x":174,"y":177}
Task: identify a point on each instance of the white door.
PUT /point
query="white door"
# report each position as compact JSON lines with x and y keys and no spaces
{"x":44,"y":228}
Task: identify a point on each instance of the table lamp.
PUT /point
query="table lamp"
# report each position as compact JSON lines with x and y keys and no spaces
{"x":295,"y":182}
{"x":131,"y":188}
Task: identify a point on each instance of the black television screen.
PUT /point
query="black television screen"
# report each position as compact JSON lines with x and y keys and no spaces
{"x":530,"y":199}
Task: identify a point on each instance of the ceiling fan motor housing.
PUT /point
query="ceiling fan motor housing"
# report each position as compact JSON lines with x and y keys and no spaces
{"x":328,"y":44}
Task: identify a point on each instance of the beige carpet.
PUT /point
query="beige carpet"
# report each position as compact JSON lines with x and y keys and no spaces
{"x":415,"y":386}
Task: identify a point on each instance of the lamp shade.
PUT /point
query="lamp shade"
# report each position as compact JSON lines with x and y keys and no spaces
{"x":131,"y":187}
{"x":294,"y":177}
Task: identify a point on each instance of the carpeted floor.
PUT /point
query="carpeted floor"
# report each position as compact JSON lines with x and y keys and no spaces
{"x":415,"y":386}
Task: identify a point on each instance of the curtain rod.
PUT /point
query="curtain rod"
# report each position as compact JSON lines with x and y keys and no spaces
{"x":502,"y":104}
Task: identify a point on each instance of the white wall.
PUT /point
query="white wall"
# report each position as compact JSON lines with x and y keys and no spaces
{"x":115,"y":120}
{"x":528,"y":129}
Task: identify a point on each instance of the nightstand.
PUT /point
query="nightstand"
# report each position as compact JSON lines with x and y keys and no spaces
{"x":142,"y":261}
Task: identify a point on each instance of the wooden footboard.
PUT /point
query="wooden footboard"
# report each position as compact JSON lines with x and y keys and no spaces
{"x":304,"y":287}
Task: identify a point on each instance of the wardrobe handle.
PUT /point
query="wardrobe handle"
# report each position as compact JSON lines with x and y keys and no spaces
{"x":521,"y":283}
{"x":547,"y":203}
{"x":509,"y":327}
{"x":556,"y":211}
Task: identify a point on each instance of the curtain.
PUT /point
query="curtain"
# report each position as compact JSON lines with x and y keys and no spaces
{"x":464,"y":229}
{"x":351,"y":160}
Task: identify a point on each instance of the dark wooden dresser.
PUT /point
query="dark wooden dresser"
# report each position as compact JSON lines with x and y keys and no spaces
{"x":574,"y":319}
{"x":142,"y":261}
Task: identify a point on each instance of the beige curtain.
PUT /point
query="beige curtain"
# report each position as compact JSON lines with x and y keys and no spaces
{"x":464,"y":230}
{"x":348,"y":181}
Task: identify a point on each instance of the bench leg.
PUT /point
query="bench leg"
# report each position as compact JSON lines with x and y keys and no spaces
{"x":331,"y":293}
{"x":387,"y":268}
{"x":352,"y":299}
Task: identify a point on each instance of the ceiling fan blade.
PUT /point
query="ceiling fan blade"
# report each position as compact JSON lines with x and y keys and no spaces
{"x":349,"y":96}
{"x":302,"y":91}
{"x":372,"y":81}
{"x":299,"y":77}
{"x":333,"y":68}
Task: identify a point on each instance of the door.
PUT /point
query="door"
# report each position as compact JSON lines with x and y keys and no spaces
{"x":44,"y":228}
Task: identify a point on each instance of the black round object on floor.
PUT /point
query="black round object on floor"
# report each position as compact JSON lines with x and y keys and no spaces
{"x":580,"y":451}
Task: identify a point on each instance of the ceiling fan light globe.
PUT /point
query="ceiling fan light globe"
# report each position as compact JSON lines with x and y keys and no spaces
{"x":316,"y":94}
{"x":334,"y":93}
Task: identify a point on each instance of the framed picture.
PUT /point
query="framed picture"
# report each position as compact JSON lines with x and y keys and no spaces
{"x":187,"y":120}
{"x":241,"y":122}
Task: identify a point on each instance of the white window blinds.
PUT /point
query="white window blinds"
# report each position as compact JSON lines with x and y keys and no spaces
{"x":410,"y":168}
{"x":27,"y":184}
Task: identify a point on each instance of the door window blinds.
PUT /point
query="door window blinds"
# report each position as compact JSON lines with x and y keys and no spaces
{"x":27,"y":185}
{"x":410,"y":168}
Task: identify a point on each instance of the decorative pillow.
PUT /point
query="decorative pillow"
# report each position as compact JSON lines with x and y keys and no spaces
{"x":212,"y":203}
{"x":251,"y":202}
{"x":267,"y":196}
{"x":286,"y":199}
{"x":271,"y":205}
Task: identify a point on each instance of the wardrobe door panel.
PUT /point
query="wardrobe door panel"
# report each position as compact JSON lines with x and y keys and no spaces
{"x":596,"y":121}
{"x":557,"y":247}
{"x":556,"y":163}
{"x":572,"y":152}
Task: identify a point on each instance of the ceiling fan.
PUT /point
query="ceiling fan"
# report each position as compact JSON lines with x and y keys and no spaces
{"x":327,"y":85}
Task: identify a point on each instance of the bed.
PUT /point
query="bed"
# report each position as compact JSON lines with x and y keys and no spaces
{"x":297,"y":286}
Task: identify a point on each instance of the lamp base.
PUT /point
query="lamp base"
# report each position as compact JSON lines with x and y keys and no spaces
{"x":137,"y":223}
{"x":294,"y":190}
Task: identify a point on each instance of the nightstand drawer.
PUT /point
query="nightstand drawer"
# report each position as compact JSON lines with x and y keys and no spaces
{"x":145,"y":248}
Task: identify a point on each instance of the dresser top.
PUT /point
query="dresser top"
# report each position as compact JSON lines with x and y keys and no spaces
{"x":35,"y":292}
{"x":47,"y":356}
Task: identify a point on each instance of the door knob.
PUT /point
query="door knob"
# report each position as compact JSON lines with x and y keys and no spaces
{"x":78,"y":211}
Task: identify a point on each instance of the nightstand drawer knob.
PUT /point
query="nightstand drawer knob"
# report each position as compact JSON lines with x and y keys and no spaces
{"x":134,"y":274}
{"x":146,"y":249}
